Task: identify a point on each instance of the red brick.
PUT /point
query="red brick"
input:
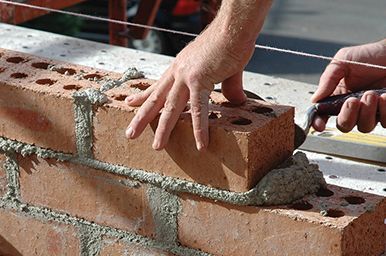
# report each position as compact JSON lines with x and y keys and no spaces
{"x":238,"y":155}
{"x":87,"y":193}
{"x":112,"y":247}
{"x":23,"y":235}
{"x":30,"y":104}
{"x":224,"y":229}
{"x":3,"y":176}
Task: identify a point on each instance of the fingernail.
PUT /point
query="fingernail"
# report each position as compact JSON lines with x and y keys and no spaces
{"x":370,"y":98}
{"x":156,"y":145}
{"x":129,"y":99}
{"x":200,"y":146}
{"x":129,"y":132}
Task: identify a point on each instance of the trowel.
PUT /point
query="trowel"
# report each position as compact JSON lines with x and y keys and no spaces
{"x":329,"y":106}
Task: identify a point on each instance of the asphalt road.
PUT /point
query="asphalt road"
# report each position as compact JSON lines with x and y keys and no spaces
{"x":316,"y":26}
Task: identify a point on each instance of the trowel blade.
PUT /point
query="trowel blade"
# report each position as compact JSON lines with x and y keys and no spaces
{"x":300,"y":136}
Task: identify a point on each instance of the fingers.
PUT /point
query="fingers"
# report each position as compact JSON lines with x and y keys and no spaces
{"x":319,"y":123}
{"x":199,"y":110}
{"x":348,"y":116}
{"x":368,"y":110}
{"x":329,"y":80}
{"x":232,"y":89}
{"x":174,"y":105}
{"x":150,"y":109}
{"x":138,"y":99}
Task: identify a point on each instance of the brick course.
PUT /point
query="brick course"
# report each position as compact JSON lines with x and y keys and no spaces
{"x":87,"y":193}
{"x":23,"y":235}
{"x":223,"y":229}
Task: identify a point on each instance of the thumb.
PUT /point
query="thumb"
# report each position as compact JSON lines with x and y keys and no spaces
{"x":232,"y":88}
{"x":329,"y":80}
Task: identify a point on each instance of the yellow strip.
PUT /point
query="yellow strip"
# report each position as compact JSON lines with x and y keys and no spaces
{"x":356,"y":137}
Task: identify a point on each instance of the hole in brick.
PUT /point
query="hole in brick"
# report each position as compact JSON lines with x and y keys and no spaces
{"x":381,"y":170}
{"x":229,"y":105}
{"x":324,"y":192}
{"x":214,"y":115}
{"x":40,"y":65}
{"x":120,"y":97}
{"x":329,"y":158}
{"x":261,"y":110}
{"x":384,"y":189}
{"x":333,"y":213}
{"x":302,"y":206}
{"x":140,"y":86}
{"x":19,"y":75}
{"x":72,"y":87}
{"x":92,"y":76}
{"x":66,"y":71}
{"x":45,"y":81}
{"x":241,"y":121}
{"x":354,"y":200}
{"x":333,"y":177}
{"x":15,"y":60}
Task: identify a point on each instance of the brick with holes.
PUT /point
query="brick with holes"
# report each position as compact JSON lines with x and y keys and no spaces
{"x":36,"y":105}
{"x":246,"y":142}
{"x":336,"y":221}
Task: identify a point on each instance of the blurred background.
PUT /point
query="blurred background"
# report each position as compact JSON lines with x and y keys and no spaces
{"x":320,"y":27}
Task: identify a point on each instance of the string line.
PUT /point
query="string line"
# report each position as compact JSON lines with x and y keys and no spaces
{"x":120,"y":22}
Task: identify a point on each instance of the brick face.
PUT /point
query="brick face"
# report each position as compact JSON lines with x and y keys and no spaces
{"x":223,"y":229}
{"x":112,"y":247}
{"x":22,"y":235}
{"x":87,"y":193}
{"x":238,"y":154}
{"x":38,"y":95}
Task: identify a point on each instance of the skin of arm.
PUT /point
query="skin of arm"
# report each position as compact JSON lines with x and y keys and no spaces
{"x":218,"y":55}
{"x":340,"y":77}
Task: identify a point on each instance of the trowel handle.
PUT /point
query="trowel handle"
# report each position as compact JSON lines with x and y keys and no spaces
{"x":332,"y":105}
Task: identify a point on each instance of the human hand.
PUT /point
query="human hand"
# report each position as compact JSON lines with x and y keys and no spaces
{"x":218,"y":55}
{"x":339,"y":78}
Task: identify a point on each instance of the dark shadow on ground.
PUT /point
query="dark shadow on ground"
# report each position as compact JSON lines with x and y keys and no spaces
{"x":277,"y":63}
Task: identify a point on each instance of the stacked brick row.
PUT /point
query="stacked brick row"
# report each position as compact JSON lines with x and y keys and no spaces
{"x":54,"y":202}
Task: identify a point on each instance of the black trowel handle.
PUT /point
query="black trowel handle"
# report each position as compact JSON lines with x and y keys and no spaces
{"x":331,"y":106}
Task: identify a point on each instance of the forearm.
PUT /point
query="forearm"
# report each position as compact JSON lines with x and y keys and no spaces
{"x":240,"y":21}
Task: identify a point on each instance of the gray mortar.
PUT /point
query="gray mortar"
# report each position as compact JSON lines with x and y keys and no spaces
{"x":294,"y":180}
{"x":83,"y":111}
{"x":90,"y":241}
{"x":281,"y":186}
{"x":129,"y":74}
{"x":11,"y":168}
{"x":92,"y":231}
{"x":11,"y":146}
{"x":165,"y":208}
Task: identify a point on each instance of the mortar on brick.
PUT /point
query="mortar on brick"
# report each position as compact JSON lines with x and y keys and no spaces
{"x":165,"y":208}
{"x":250,"y":197}
{"x":129,"y":74}
{"x":90,"y":241}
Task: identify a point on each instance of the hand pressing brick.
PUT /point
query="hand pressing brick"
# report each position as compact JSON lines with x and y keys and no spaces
{"x":245,"y":142}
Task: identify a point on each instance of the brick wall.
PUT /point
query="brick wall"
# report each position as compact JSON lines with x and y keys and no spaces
{"x":71,"y":184}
